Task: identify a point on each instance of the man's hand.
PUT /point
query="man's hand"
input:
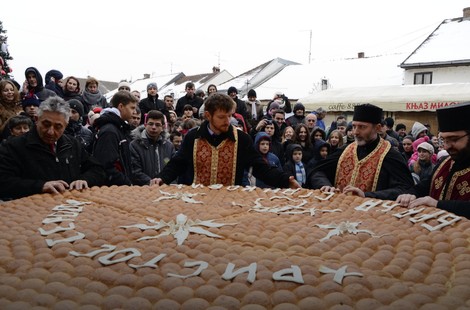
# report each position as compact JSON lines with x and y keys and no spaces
{"x":354,"y":190}
{"x":79,"y":185}
{"x":293,"y":183}
{"x":156,"y":181}
{"x":405,"y":199}
{"x":329,"y":189}
{"x":427,"y":201}
{"x":55,"y":187}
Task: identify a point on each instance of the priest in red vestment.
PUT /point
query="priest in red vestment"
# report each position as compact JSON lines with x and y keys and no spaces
{"x":368,"y":167}
{"x":449,"y":186}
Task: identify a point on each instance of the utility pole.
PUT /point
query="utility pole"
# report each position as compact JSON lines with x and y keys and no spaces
{"x":310,"y":50}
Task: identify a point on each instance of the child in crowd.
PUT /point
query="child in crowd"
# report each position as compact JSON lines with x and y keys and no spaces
{"x":176,"y":138}
{"x":335,"y":140}
{"x":415,"y":156}
{"x":294,"y":165}
{"x":423,"y":167}
{"x":262,"y":144}
{"x":188,"y":112}
{"x":19,"y":125}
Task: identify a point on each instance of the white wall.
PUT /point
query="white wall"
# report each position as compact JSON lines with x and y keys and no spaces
{"x":459,"y":74}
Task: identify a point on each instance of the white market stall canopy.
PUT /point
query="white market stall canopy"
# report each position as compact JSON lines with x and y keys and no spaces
{"x":394,"y":98}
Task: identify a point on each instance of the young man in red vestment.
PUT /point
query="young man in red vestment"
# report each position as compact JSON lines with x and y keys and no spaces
{"x":218,"y":153}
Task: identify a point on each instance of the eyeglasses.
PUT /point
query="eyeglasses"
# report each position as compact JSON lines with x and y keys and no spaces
{"x":451,"y":140}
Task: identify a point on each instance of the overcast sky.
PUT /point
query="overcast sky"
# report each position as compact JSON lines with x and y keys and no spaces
{"x":116,"y":40}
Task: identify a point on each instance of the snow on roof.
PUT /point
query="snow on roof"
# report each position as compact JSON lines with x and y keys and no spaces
{"x":450,"y":42}
{"x":302,"y":80}
{"x":141,"y":85}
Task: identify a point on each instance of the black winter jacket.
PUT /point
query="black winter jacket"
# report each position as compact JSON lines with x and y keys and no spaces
{"x":111,"y":148}
{"x":152,"y":103}
{"x":26,"y":163}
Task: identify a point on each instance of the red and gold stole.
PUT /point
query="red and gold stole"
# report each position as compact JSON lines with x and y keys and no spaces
{"x":459,"y":184}
{"x":215,"y":165}
{"x":364,"y":173}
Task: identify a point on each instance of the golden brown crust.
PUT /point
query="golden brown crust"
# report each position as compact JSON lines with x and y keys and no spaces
{"x":380,"y":256}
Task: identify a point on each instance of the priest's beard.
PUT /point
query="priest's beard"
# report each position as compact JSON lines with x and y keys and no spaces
{"x":462,"y":155}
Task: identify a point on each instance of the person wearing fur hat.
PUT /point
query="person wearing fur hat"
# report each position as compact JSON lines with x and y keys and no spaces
{"x":33,"y":85}
{"x":368,"y":167}
{"x":298,"y":116}
{"x":448,"y":187}
{"x":75,"y":128}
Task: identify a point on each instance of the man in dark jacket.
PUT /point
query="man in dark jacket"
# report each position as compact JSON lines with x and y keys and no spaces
{"x":152,"y":102}
{"x":44,"y":160}
{"x":191,"y":99}
{"x":150,"y":150}
{"x":218,"y":153}
{"x":240,"y":105}
{"x":111,"y":146}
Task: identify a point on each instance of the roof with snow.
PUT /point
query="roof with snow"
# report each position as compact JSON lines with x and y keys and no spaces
{"x":256,"y":76}
{"x":449,"y":44}
{"x":302,"y":80}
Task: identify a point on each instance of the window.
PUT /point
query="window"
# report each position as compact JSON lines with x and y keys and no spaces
{"x":423,"y":78}
{"x":324,"y":84}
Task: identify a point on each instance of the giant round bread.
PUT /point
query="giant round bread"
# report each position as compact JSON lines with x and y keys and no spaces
{"x":195,"y":247}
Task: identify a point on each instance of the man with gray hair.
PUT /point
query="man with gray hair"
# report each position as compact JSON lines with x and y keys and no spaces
{"x":44,"y":160}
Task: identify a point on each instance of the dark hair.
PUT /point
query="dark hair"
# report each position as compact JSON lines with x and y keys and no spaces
{"x":175,"y":134}
{"x":77,"y":91}
{"x":123,"y":97}
{"x":19,"y":120}
{"x":189,"y":85}
{"x":155,"y":114}
{"x":187,"y":107}
{"x":219,"y":101}
{"x":211,"y":85}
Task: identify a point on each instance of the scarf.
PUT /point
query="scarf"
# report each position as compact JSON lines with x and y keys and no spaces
{"x":92,"y":99}
{"x":300,"y":175}
{"x":253,"y":109}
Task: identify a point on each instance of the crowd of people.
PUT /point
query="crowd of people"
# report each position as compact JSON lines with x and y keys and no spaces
{"x":56,"y":137}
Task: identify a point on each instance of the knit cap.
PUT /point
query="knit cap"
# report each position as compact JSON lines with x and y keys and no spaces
{"x":77,"y":106}
{"x":30,"y":100}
